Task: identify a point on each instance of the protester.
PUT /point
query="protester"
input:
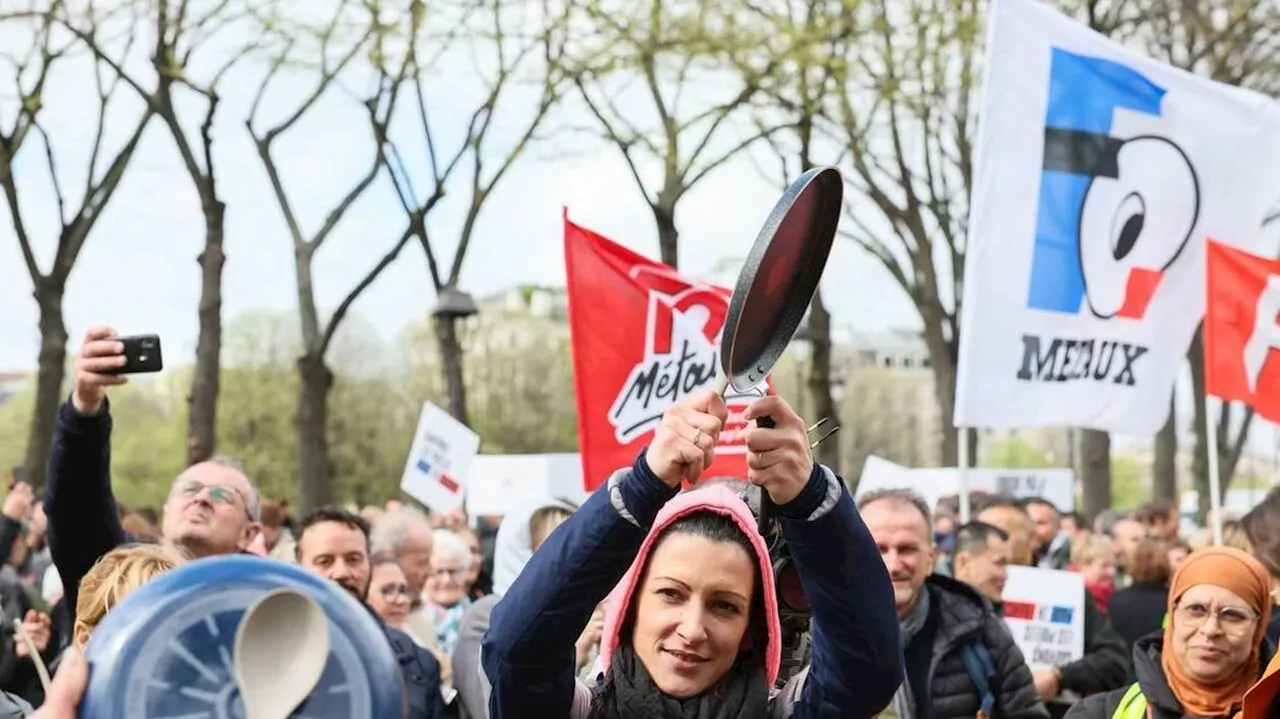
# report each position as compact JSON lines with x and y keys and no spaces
{"x":117,"y":575}
{"x":692,"y":627}
{"x":1054,"y":544}
{"x":981,"y":558}
{"x":1104,"y":665}
{"x":446,"y":590}
{"x":1126,"y":534}
{"x":942,"y":620}
{"x":1139,"y":609}
{"x":522,"y":531}
{"x":212,"y":507}
{"x":1093,"y":559}
{"x":1005,"y":513}
{"x":1261,"y":526}
{"x":1210,"y":653}
{"x":405,"y":533}
{"x":389,"y":592}
{"x":475,"y":564}
{"x":335,"y":544}
{"x":277,"y":538}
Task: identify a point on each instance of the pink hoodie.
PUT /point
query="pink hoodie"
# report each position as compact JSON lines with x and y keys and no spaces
{"x":719,"y":499}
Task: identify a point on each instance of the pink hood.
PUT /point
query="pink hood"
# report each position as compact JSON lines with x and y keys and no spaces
{"x":717,"y":499}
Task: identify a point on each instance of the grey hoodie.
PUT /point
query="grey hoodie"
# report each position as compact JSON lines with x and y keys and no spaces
{"x":511,"y":551}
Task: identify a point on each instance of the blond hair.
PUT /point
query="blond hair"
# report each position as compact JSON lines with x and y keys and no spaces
{"x":1089,"y":549}
{"x":117,"y":575}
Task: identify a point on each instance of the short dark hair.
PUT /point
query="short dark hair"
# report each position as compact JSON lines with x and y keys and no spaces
{"x":1077,"y":518}
{"x":325,"y":515}
{"x":900,"y":496}
{"x":997,"y":501}
{"x":975,"y":537}
{"x":1040,"y":502}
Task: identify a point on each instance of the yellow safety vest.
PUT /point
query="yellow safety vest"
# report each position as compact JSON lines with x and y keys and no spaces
{"x":1133,"y":705}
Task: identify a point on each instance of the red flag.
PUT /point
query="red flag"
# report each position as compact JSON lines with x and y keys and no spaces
{"x":643,"y":337}
{"x":1242,"y":329}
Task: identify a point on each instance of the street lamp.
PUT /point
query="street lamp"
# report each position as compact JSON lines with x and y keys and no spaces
{"x":453,"y":303}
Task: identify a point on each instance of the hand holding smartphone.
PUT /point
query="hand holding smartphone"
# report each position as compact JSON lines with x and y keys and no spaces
{"x":142,"y":355}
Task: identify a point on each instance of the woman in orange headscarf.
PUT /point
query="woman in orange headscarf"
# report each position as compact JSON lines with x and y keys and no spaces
{"x":1210,"y":653}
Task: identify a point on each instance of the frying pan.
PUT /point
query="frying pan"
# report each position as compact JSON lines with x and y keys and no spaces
{"x":776,"y":285}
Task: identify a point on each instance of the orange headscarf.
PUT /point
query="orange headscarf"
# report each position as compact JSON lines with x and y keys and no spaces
{"x":1239,"y":572}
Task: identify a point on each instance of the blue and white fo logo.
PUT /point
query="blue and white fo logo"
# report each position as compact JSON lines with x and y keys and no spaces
{"x":1114,"y":214}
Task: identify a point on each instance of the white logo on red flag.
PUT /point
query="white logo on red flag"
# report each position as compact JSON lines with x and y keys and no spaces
{"x":644,"y":338}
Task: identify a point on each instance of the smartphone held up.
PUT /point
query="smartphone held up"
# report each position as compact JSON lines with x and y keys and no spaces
{"x":142,"y":355}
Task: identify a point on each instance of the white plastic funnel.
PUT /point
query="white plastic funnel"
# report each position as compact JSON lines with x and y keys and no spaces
{"x":282,"y":646}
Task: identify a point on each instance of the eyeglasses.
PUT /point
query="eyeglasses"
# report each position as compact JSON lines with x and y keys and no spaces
{"x":218,"y":494}
{"x":1232,"y":620}
{"x":389,"y":591}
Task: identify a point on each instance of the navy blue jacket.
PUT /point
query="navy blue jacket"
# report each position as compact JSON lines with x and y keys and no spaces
{"x":528,"y":652}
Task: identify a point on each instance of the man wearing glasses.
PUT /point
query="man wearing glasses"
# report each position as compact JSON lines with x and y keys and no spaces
{"x":213,"y":507}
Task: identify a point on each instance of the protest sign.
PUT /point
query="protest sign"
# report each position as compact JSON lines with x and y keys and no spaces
{"x":499,"y":482}
{"x":1044,"y":609}
{"x":1056,"y":485}
{"x":439,"y":460}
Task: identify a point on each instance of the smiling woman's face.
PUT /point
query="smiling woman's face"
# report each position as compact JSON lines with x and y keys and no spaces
{"x":693,"y":609}
{"x":1213,"y":631}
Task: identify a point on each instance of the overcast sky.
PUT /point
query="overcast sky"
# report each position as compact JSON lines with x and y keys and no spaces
{"x":138,"y":271}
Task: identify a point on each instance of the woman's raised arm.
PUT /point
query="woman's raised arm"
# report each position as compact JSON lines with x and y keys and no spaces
{"x":528,"y":652}
{"x":856,"y":663}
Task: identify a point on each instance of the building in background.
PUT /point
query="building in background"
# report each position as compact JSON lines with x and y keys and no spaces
{"x":11,"y":383}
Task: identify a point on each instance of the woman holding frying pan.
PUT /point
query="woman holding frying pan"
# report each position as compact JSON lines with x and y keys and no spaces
{"x":691,"y":626}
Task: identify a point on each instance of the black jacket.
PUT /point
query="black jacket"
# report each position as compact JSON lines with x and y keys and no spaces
{"x":421,"y":674}
{"x":1138,"y":611}
{"x":1150,"y":675}
{"x":84,"y":522}
{"x":963,"y":616}
{"x":1105,"y":664}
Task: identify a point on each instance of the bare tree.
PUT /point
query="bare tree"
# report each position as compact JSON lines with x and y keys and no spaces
{"x":1236,"y":45}
{"x":180,"y":29}
{"x":513,"y":56}
{"x":32,"y":66}
{"x":812,"y":37}
{"x":333,"y":54}
{"x":673,"y":48}
{"x":907,"y":114}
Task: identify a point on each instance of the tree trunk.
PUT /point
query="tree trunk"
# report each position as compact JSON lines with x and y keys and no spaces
{"x":1165,"y":473}
{"x":315,"y":488}
{"x":52,"y":372}
{"x":824,"y":406}
{"x":202,"y":402}
{"x":451,"y":361}
{"x":668,"y":236}
{"x":942,"y":360}
{"x":1095,"y":466}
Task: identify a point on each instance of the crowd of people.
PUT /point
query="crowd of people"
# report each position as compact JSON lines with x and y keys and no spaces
{"x":657,"y":600}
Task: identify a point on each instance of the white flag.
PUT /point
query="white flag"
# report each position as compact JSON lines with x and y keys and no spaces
{"x":1099,"y":175}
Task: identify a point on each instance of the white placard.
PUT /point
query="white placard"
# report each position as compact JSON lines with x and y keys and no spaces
{"x":1044,"y":609}
{"x":499,"y":482}
{"x":439,"y":460}
{"x":1056,"y":485}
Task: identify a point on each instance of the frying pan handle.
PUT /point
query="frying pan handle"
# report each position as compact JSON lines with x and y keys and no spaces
{"x":764,"y":522}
